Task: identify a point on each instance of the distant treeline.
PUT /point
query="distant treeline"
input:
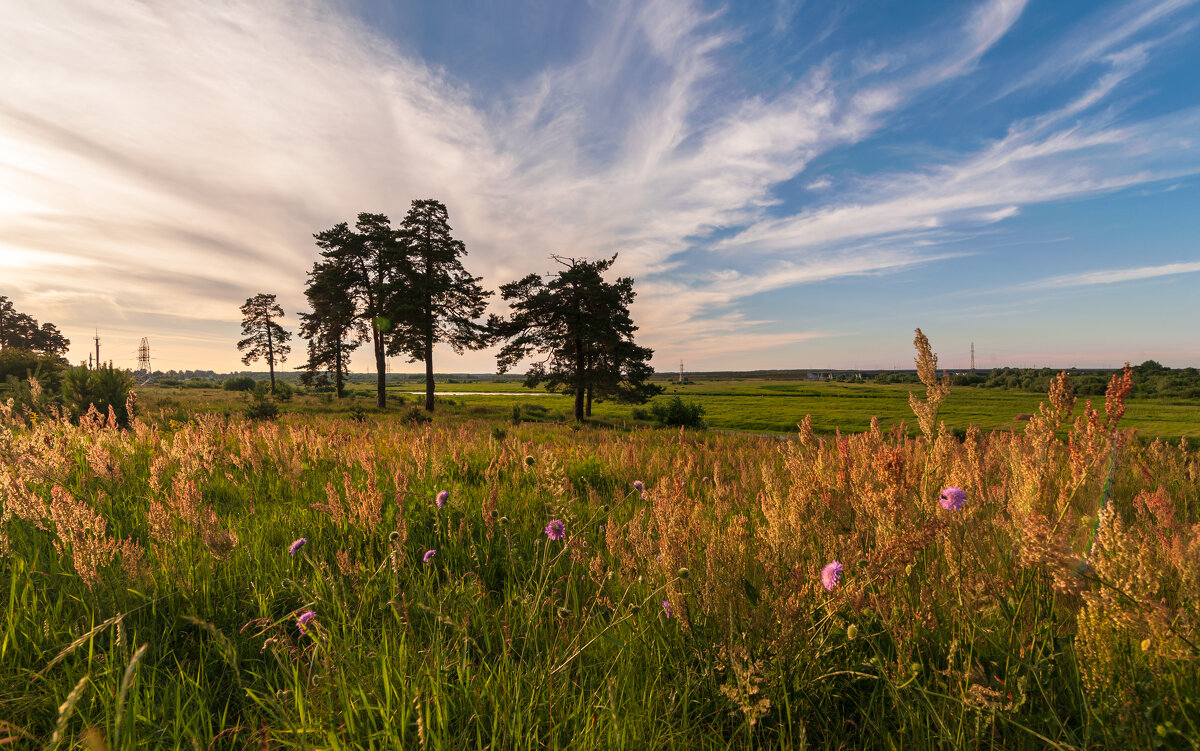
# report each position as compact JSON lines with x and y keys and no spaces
{"x":1150,"y":380}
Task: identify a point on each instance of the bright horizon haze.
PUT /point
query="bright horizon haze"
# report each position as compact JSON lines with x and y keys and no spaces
{"x":792,"y":184}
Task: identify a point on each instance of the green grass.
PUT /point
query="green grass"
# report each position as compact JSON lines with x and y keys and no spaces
{"x":762,"y":406}
{"x":506,"y":639}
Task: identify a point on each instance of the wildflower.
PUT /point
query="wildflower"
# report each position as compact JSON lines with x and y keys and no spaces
{"x":831,"y":575}
{"x":638,"y":486}
{"x":555,"y":530}
{"x":441,"y":499}
{"x":429,"y":554}
{"x":295,"y":546}
{"x":953,"y":498}
{"x":667,"y":608}
{"x":684,"y":573}
{"x":305,"y":618}
{"x":851,"y":632}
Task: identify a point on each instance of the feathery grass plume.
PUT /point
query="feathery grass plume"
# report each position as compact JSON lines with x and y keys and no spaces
{"x":123,"y":691}
{"x":936,"y":388}
{"x":67,"y":708}
{"x":83,"y":533}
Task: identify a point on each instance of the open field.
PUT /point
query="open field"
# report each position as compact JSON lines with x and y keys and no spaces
{"x":744,"y":405}
{"x":152,"y":601}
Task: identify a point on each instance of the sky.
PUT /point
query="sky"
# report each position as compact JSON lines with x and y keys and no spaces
{"x":791,"y":184}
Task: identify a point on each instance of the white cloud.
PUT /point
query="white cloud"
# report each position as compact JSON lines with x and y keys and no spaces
{"x":181,"y":155}
{"x":1114,"y":276}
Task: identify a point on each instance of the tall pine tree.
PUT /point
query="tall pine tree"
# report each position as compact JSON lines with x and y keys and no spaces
{"x":265,"y":338}
{"x":366,"y":264}
{"x":333,"y":328}
{"x":437,"y":301}
{"x":581,"y":325}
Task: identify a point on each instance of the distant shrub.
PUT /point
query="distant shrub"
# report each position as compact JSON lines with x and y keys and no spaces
{"x":678,"y":413}
{"x":238,"y":383}
{"x":416,"y":416}
{"x":641,"y":413}
{"x":283,"y":391}
{"x":261,"y":407}
{"x":516,"y":415}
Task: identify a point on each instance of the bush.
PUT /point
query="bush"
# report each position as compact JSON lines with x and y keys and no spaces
{"x":261,"y":407}
{"x":102,"y":388}
{"x":283,"y":392}
{"x":416,"y":416}
{"x":678,"y":413}
{"x":238,"y":383}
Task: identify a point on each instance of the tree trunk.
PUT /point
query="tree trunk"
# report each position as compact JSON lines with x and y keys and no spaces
{"x":337,"y":376}
{"x":579,"y":390}
{"x":588,"y":409}
{"x":429,"y":373}
{"x":380,"y":368}
{"x":270,"y":356}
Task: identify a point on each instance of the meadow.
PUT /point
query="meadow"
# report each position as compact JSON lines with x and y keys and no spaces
{"x":341,"y":578}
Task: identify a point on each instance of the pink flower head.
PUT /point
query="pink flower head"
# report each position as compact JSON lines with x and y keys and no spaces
{"x":831,"y":575}
{"x":953,"y":498}
{"x":305,"y":618}
{"x":667,"y":608}
{"x":295,"y":546}
{"x":442,"y":498}
{"x":429,"y":554}
{"x":638,"y":486}
{"x":555,"y":530}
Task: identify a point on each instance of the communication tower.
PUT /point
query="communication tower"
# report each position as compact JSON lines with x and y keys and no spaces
{"x":681,"y":371}
{"x":97,"y":348}
{"x":972,"y":357}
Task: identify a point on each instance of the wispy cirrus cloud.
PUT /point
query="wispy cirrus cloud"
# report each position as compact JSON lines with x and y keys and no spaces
{"x":178,"y":157}
{"x":1113,"y":276}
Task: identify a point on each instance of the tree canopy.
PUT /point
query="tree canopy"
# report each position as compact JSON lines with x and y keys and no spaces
{"x":580,"y":326}
{"x":22,"y":331}
{"x":364,"y":266}
{"x":333,"y":328}
{"x":265,"y":338}
{"x":436,"y":300}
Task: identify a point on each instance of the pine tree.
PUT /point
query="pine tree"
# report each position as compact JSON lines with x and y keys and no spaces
{"x":265,"y":338}
{"x":581,"y":325}
{"x":333,"y":328}
{"x":437,"y":300}
{"x":367,"y":262}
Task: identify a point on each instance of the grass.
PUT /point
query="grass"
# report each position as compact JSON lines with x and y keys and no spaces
{"x":151,"y":601}
{"x":759,"y":406}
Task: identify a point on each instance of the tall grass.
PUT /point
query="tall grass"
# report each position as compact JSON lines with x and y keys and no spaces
{"x":152,"y":602}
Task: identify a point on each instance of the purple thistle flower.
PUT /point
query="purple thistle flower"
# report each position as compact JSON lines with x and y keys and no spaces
{"x":429,"y":554}
{"x":305,"y":618}
{"x":442,"y":498}
{"x":295,"y":546}
{"x":667,"y":608}
{"x":555,"y":530}
{"x":638,"y":486}
{"x":953,"y":498}
{"x":831,"y":575}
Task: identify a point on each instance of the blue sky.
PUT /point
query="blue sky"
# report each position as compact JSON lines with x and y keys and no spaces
{"x":792,"y":184}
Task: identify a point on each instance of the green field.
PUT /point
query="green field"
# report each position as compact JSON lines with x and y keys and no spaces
{"x":761,"y":406}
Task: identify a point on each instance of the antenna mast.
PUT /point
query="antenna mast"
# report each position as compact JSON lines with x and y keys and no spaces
{"x":681,"y":371}
{"x":97,"y":348}
{"x":972,"y":357}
